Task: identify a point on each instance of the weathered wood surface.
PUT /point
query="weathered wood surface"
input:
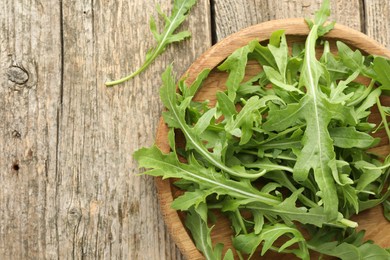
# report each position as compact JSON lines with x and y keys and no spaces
{"x":69,"y":188}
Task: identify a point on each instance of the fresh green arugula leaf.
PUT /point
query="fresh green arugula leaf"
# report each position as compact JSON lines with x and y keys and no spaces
{"x":382,"y":68}
{"x":368,"y":176}
{"x":349,"y":137}
{"x":175,"y":117}
{"x":277,"y":80}
{"x":168,"y":166}
{"x":350,"y":197}
{"x":279,"y":50}
{"x":386,"y":209}
{"x":236,"y":64}
{"x":201,"y":235}
{"x":317,"y":153}
{"x":179,"y":13}
{"x":248,"y":243}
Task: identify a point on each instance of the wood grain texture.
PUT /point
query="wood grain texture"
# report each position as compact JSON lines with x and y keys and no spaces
{"x":69,"y":184}
{"x":231,"y":16}
{"x":30,"y":80}
{"x":377,"y":20}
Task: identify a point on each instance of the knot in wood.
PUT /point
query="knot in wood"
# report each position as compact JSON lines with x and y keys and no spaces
{"x":16,"y":134}
{"x":17,"y":74}
{"x":74,"y":214}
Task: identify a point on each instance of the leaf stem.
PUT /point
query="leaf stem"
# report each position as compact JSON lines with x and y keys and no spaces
{"x":132,"y":75}
{"x":269,"y":155}
{"x":349,"y":223}
{"x":242,"y":224}
{"x":383,"y":116}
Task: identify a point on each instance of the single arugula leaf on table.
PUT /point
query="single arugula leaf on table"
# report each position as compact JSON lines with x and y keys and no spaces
{"x":179,"y":13}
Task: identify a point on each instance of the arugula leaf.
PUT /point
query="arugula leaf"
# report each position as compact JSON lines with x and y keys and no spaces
{"x":349,"y":137}
{"x":381,"y":68}
{"x":346,"y":251}
{"x":317,"y":152}
{"x":179,"y":13}
{"x":248,"y":243}
{"x":168,"y":166}
{"x":201,"y":235}
{"x":277,"y":80}
{"x":352,"y":59}
{"x":286,"y":210}
{"x":383,"y":117}
{"x":175,"y":117}
{"x":386,"y":209}
{"x":236,"y":64}
{"x":350,"y":197}
{"x":280,"y":119}
{"x":242,"y":124}
{"x":367,"y":176}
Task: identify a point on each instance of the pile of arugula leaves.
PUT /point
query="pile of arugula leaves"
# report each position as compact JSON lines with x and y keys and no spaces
{"x":293,"y":157}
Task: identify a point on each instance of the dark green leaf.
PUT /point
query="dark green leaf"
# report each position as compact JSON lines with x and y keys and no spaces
{"x":179,"y":13}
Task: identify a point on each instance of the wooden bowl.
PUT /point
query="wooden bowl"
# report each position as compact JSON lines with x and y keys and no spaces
{"x":296,"y":30}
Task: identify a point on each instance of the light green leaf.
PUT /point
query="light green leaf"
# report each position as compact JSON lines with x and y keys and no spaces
{"x":278,"y":48}
{"x":258,"y":218}
{"x":271,"y":233}
{"x":225,"y":106}
{"x":352,"y":59}
{"x":350,"y":197}
{"x":279,"y":81}
{"x":373,"y":252}
{"x":247,"y":243}
{"x":382,"y":68}
{"x":191,"y":199}
{"x":280,"y":119}
{"x":204,"y":122}
{"x":201,"y":234}
{"x":235,"y":64}
{"x":337,"y":95}
{"x":349,"y":137}
{"x":317,"y":153}
{"x":363,"y":110}
{"x":193,"y":89}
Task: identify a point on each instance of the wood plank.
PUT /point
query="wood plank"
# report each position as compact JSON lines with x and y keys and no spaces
{"x":377,"y":22}
{"x":231,"y":16}
{"x":89,"y":202}
{"x":105,"y":210}
{"x":30,"y":82}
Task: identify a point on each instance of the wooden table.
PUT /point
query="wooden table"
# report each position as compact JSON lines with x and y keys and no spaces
{"x":69,"y":188}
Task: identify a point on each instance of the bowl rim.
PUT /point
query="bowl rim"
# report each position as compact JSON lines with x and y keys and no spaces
{"x":210,"y":59}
